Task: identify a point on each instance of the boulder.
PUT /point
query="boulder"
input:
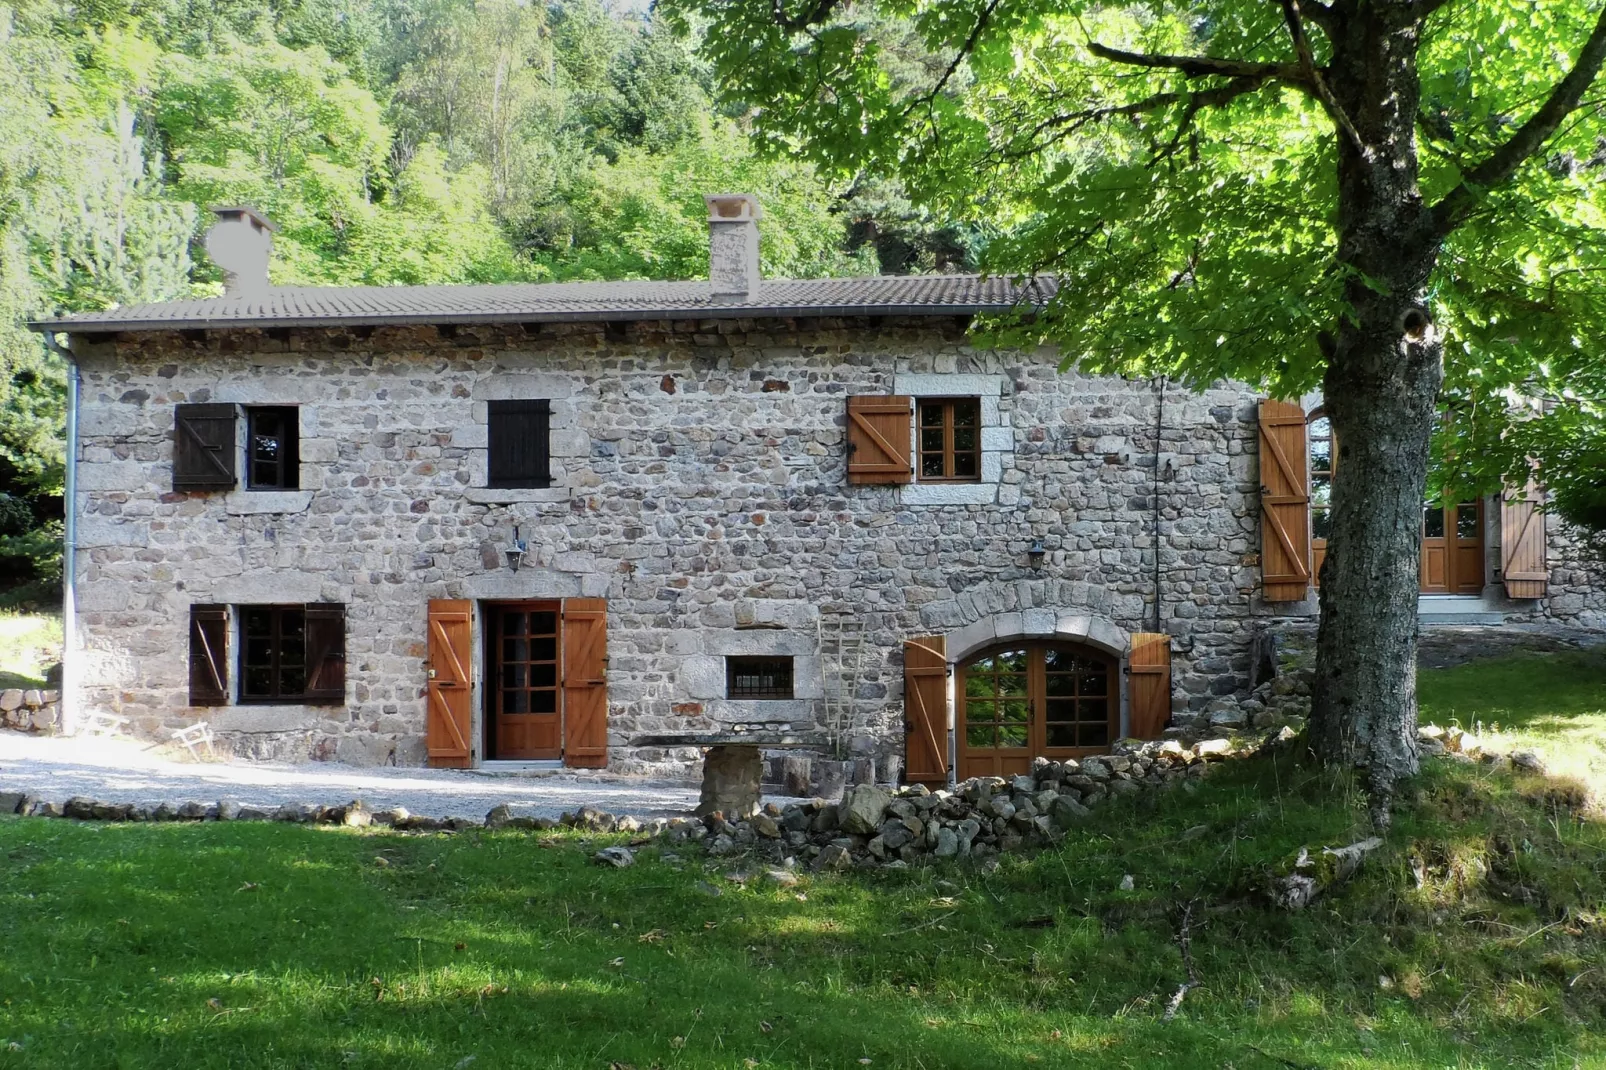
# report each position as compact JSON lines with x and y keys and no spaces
{"x":1067,"y":812}
{"x":617,"y":857}
{"x":14,"y":802}
{"x":356,"y":815}
{"x":80,"y":806}
{"x":499,"y":816}
{"x":765,"y":826}
{"x":10,"y":699}
{"x":862,"y":809}
{"x":833,"y":856}
{"x":228,"y":810}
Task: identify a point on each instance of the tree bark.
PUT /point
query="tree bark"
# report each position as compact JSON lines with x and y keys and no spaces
{"x":1383,"y":376}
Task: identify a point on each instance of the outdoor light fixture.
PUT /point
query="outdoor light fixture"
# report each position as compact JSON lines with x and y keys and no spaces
{"x":516,"y":550}
{"x":1035,"y":553}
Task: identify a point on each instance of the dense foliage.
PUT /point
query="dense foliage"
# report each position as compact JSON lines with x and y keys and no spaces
{"x":394,"y":142}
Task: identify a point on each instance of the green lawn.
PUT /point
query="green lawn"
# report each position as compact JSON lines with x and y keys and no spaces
{"x":29,"y":644}
{"x":1553,"y":704}
{"x":1475,"y":940}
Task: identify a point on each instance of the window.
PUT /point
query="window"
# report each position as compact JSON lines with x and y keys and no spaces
{"x":293,"y":653}
{"x":950,"y":440}
{"x":758,"y":677}
{"x":519,"y":453}
{"x":272,"y":460}
{"x":1321,"y":476}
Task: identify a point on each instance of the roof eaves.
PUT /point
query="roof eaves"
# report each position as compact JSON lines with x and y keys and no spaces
{"x":69,"y":325}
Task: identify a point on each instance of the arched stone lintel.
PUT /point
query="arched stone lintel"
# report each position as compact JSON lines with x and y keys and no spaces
{"x":1071,"y":625}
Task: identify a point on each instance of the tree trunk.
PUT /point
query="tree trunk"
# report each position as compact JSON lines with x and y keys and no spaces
{"x":1382,"y":381}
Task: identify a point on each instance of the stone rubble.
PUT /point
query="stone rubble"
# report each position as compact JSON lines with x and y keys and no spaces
{"x":30,"y":710}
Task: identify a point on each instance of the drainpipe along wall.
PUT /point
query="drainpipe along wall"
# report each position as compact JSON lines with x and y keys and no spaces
{"x":69,"y":548}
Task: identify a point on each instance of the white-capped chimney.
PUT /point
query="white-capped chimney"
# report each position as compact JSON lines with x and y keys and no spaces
{"x":241,"y":243}
{"x":732,"y":243}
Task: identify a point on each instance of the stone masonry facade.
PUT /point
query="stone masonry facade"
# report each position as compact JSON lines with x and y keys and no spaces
{"x":698,"y":485}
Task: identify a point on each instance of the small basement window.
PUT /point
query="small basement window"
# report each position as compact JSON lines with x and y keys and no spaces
{"x":272,"y":460}
{"x":758,"y":677}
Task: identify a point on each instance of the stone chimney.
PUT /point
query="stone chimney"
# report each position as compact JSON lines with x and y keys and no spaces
{"x":733,"y":244}
{"x":241,"y":243}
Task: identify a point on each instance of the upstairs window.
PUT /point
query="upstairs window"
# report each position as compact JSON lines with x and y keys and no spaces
{"x":271,"y":455}
{"x":950,"y":440}
{"x":1320,"y":438}
{"x":519,"y":441}
{"x":758,"y":677}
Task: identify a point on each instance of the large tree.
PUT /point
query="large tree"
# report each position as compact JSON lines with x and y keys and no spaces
{"x":1359,"y":194}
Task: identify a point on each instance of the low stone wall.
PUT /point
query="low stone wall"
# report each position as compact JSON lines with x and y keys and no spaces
{"x":31,"y":711}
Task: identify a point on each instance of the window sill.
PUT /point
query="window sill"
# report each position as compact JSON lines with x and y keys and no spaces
{"x":509,"y":495}
{"x":250,"y":502}
{"x":948,"y":493}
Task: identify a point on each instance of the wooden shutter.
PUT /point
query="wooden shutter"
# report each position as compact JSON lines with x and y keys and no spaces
{"x":879,"y":438}
{"x":449,"y":717}
{"x":925,"y":709}
{"x":520,"y":439}
{"x":1284,"y":503}
{"x":209,"y":655}
{"x":1522,"y":543}
{"x":585,"y":682}
{"x":326,"y":653}
{"x":1149,"y":685}
{"x":204,"y":447}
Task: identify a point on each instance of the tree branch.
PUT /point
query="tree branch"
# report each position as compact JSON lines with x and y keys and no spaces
{"x":1209,"y":98}
{"x":1203,"y":66}
{"x":818,"y":13}
{"x":1453,"y":209}
{"x":964,"y":50}
{"x":1307,"y":59}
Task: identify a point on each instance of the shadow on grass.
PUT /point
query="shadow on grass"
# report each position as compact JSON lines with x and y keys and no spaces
{"x":1467,"y":941}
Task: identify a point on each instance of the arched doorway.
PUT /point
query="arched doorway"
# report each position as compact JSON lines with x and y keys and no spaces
{"x":1026,"y":698}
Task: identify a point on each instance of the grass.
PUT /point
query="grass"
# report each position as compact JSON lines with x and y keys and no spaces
{"x":1475,"y":938}
{"x":29,"y":644}
{"x":1553,"y":704}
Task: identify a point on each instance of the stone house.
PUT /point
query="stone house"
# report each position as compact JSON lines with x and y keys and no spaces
{"x":590,"y":523}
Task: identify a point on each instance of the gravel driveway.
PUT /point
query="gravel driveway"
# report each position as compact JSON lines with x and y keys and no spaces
{"x":123,"y":771}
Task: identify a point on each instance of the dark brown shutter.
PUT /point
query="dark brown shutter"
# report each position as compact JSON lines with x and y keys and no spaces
{"x":1284,"y":503}
{"x":585,"y":682}
{"x":878,"y":439}
{"x":520,"y":439}
{"x":326,"y":653}
{"x":1149,"y":685}
{"x":209,"y":655}
{"x":204,"y":447}
{"x":925,"y":709}
{"x":448,"y":719}
{"x":1522,"y":543}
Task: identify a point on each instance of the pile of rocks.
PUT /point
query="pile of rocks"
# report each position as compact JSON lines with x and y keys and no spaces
{"x":1282,"y":700}
{"x":30,"y":710}
{"x":981,"y":818}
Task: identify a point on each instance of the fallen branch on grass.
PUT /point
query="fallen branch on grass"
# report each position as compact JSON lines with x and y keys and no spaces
{"x":1183,"y":932}
{"x":1308,"y":878}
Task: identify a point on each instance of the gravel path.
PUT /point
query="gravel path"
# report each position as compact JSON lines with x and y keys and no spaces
{"x":122,"y":771}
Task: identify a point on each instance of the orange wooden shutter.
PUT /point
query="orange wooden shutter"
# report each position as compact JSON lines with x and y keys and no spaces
{"x":1149,"y":685}
{"x":449,"y":719}
{"x":925,"y":709}
{"x":1284,"y":503}
{"x":1522,"y":543}
{"x":585,"y":682}
{"x":878,"y":439}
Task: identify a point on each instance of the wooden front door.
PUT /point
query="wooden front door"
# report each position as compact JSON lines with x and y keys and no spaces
{"x":524,"y":665}
{"x":1030,"y":699}
{"x":1452,"y":548}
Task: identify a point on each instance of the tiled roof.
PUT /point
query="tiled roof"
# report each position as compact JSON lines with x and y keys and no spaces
{"x":565,"y":302}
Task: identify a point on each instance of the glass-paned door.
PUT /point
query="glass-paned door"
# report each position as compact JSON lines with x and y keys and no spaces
{"x":1056,"y":700}
{"x":523,"y":670}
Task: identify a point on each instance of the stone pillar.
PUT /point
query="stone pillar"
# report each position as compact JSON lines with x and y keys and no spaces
{"x":731,"y":777}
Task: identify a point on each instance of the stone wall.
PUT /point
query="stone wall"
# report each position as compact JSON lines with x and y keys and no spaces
{"x":698,"y":486}
{"x":30,"y":710}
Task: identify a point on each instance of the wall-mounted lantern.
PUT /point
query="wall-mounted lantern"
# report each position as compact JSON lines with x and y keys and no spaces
{"x":1035,"y":553}
{"x":516,"y":551}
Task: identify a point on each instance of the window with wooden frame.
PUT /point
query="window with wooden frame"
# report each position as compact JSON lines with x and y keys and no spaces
{"x":293,"y":653}
{"x":518,"y":437}
{"x":1320,"y":442}
{"x":949,"y":437}
{"x":758,"y":677}
{"x":272,"y":456}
